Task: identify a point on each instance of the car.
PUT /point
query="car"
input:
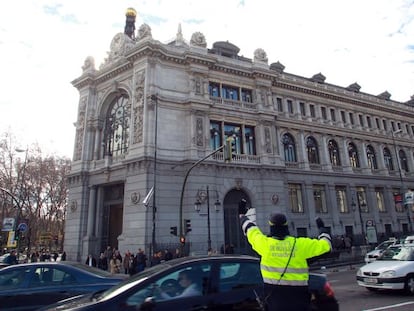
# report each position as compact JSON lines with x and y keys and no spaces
{"x":33,"y":285}
{"x":393,"y":270}
{"x":377,"y":251}
{"x":22,"y":258}
{"x":223,"y":282}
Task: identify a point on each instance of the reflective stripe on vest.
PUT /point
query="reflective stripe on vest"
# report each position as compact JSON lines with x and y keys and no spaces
{"x":281,"y":270}
{"x":285,"y":282}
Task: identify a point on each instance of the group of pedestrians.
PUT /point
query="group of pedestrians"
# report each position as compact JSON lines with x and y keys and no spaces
{"x":111,"y":260}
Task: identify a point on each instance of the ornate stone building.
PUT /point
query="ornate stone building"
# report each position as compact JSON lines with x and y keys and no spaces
{"x":302,"y":146}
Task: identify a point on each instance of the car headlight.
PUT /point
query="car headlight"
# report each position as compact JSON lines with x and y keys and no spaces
{"x":359,"y":272}
{"x":388,"y":274}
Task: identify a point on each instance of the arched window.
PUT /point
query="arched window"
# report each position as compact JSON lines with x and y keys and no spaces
{"x":312,"y":150}
{"x":372,"y":160}
{"x":289,"y":148}
{"x":388,"y":159}
{"x":353,"y":155}
{"x":403,"y":160}
{"x":117,"y":122}
{"x":334,"y":153}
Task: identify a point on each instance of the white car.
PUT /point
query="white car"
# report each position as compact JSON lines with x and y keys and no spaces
{"x":377,"y":251}
{"x":394,"y":269}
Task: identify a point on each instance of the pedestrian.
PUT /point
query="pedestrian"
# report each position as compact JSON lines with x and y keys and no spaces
{"x":141,"y":260}
{"x":90,"y":261}
{"x":127,"y":262}
{"x":283,"y":262}
{"x":102,"y":262}
{"x":63,"y":257}
{"x":168,"y":255}
{"x":115,"y":264}
{"x":11,"y":259}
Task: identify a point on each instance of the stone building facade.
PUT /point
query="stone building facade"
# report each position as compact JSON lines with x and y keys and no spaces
{"x":303,"y":147}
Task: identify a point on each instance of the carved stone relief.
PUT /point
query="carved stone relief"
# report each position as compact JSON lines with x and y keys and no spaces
{"x":138,"y":106}
{"x":199,"y":131}
{"x":80,"y":128}
{"x":268,"y":145}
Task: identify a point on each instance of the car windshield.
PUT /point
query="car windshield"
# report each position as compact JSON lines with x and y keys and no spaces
{"x":92,"y":270}
{"x":398,"y":253}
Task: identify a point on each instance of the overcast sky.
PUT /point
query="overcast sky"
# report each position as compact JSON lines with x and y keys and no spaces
{"x":43,"y":45}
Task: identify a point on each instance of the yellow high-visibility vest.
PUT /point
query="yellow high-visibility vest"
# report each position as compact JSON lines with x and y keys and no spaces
{"x":275,"y":257}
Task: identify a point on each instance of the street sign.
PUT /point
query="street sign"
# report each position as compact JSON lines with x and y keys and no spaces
{"x":8,"y":224}
{"x":22,"y":227}
{"x":409,"y":197}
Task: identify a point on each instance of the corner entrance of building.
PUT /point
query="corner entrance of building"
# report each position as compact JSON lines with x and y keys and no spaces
{"x":234,"y":239}
{"x":112,"y":216}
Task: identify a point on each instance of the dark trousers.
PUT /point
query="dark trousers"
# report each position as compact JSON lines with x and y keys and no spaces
{"x":286,"y":298}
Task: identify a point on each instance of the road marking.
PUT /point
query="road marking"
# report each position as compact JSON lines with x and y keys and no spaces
{"x":391,"y":306}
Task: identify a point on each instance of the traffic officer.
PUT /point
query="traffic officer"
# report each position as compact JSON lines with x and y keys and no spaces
{"x":283,"y":261}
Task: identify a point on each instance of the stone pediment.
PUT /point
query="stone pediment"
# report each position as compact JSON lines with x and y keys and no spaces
{"x":354,"y":87}
{"x":319,"y":77}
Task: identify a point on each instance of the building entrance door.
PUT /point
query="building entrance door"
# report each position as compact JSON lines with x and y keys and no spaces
{"x":234,"y":239}
{"x":112,"y":222}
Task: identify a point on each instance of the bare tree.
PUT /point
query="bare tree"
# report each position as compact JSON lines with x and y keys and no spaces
{"x":39,"y":184}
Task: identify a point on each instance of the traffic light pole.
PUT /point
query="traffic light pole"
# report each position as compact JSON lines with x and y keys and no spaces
{"x":182,"y":234}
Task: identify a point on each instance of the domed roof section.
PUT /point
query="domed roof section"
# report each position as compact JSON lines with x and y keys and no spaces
{"x":225,"y":48}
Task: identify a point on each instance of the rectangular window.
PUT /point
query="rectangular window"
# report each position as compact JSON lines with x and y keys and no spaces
{"x":290,"y":106}
{"x":393,"y":125}
{"x":323,"y":113}
{"x":333,"y":116}
{"x":351,"y":118}
{"x":229,"y":92}
{"x":243,"y":136}
{"x":215,"y":135}
{"x":343,"y":117}
{"x":250,"y":141}
{"x":246,"y":95}
{"x":279,"y":103}
{"x":412,"y":129}
{"x":361,"y":197}
{"x":341,"y":199}
{"x":407,"y":129}
{"x":295,"y":198}
{"x":319,"y":197}
{"x":377,"y":122}
{"x":312,"y":110}
{"x":379,"y":195}
{"x":369,"y":122}
{"x":302,"y":108}
{"x":398,"y":200}
{"x":384,"y":124}
{"x":214,"y":89}
{"x":361,"y":120}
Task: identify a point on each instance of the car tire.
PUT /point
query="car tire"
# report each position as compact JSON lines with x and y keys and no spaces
{"x":372,"y":289}
{"x":409,"y":285}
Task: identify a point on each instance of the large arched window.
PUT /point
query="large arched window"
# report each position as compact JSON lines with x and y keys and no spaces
{"x":289,"y":148}
{"x":403,"y":160}
{"x":353,"y":155}
{"x":334,"y":153}
{"x":117,"y":123}
{"x":312,"y":150}
{"x":372,"y":160}
{"x":388,"y":159}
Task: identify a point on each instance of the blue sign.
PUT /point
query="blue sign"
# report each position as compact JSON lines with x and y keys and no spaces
{"x":22,"y":227}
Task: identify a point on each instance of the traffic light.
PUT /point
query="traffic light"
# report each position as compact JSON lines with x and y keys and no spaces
{"x":187,"y":225}
{"x":17,"y":235}
{"x":229,"y":149}
{"x":182,"y":240}
{"x":173,"y":231}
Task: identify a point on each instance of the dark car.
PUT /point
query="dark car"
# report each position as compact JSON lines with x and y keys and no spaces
{"x":34,"y":285}
{"x":220,"y":282}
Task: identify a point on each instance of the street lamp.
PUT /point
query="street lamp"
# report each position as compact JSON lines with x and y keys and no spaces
{"x":353,"y":204}
{"x":203,"y":196}
{"x":402,"y":191}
